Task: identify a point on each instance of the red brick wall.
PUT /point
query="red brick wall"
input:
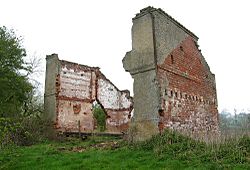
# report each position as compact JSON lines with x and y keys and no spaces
{"x":188,"y":90}
{"x":77,"y":87}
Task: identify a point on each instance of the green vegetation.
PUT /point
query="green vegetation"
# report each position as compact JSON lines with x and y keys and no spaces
{"x":181,"y":148}
{"x":100,"y":117}
{"x":169,"y":151}
{"x":237,"y":122}
{"x":20,"y":109}
{"x":29,"y":142}
{"x":14,"y":85}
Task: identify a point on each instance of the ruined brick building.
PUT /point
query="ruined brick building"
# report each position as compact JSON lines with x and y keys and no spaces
{"x":71,"y":89}
{"x":173,"y":85}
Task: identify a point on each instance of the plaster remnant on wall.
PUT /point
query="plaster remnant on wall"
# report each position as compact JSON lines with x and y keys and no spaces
{"x":75,"y":84}
{"x":70,"y":91}
{"x":111,"y":97}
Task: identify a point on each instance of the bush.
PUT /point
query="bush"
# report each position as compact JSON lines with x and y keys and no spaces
{"x":100,"y":116}
{"x":8,"y":130}
{"x":25,"y":131}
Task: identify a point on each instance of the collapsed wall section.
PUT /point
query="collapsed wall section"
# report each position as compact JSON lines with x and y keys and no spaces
{"x":117,"y":104}
{"x":70,"y":91}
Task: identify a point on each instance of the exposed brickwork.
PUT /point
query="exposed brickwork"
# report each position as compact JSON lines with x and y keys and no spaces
{"x":189,"y":99}
{"x":76,"y":88}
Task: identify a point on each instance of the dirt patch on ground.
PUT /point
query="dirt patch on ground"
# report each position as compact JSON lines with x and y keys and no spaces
{"x":103,"y":145}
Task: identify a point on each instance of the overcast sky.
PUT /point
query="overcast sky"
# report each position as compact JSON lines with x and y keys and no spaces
{"x":98,"y":33}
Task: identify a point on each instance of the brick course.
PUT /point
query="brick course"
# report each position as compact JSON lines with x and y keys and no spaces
{"x":189,"y":102}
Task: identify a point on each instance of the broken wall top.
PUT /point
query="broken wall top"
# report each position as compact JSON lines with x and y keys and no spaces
{"x":65,"y":67}
{"x":155,"y":34}
{"x":151,"y":10}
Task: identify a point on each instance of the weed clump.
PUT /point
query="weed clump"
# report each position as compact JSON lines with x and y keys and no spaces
{"x":173,"y":145}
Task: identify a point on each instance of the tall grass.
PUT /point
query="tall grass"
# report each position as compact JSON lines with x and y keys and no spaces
{"x":176,"y":146}
{"x":171,"y":150}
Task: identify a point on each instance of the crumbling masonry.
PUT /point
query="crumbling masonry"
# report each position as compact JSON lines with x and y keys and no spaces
{"x":71,"y":89}
{"x":173,"y":85}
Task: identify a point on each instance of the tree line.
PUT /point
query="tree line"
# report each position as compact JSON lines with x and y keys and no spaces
{"x":20,"y":108}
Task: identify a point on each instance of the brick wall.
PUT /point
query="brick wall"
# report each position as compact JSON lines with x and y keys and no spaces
{"x":70,"y":91}
{"x":173,"y":84}
{"x":188,"y":91}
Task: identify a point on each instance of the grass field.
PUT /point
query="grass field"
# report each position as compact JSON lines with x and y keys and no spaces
{"x":170,"y":151}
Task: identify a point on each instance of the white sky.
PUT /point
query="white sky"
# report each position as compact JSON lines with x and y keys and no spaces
{"x":98,"y":33}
